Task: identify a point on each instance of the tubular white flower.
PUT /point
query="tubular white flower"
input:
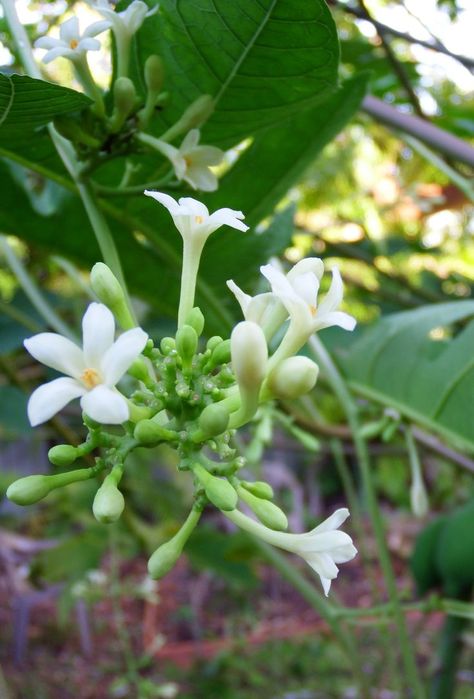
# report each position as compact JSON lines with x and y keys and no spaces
{"x":126,"y":23}
{"x":191,"y":162}
{"x":195,"y":224}
{"x":264,"y":309}
{"x":298,"y":291}
{"x":91,"y":372}
{"x":322,"y":547}
{"x":249,"y":354}
{"x":71,"y":43}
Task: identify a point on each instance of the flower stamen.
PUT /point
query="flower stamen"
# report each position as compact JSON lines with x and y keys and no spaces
{"x":90,"y":378}
{"x":73,"y":44}
{"x":199,"y":219}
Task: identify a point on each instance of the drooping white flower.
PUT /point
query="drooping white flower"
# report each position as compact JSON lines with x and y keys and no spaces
{"x":127,"y":22}
{"x":192,"y":218}
{"x":322,"y":548}
{"x":91,"y":371}
{"x":191,"y":162}
{"x":71,"y":43}
{"x":298,"y":292}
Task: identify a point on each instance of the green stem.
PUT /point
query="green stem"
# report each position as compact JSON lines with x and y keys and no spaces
{"x":412,"y":679}
{"x":104,"y":191}
{"x":444,"y":680}
{"x":84,"y":76}
{"x":33,"y":292}
{"x":191,"y":259}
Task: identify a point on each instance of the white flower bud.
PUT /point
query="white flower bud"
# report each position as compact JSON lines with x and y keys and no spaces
{"x":249,"y":354}
{"x":293,"y":377}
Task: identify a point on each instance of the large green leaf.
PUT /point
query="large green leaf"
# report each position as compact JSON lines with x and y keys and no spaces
{"x":399,"y":362}
{"x":261,"y":61}
{"x":27,"y":103}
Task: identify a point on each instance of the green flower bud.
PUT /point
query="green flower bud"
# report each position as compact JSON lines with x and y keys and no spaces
{"x":154,"y":73}
{"x":124,"y":96}
{"x":268,"y":513}
{"x":109,"y":291}
{"x":213,"y":342}
{"x":219,"y":491}
{"x":258,"y":488}
{"x":390,"y":430}
{"x":197,"y":113}
{"x":196,"y":320}
{"x":63,"y":455}
{"x":150,"y":433}
{"x":220,"y":354}
{"x":164,"y":559}
{"x":293,"y":377}
{"x":186,"y":343}
{"x":139,"y":370}
{"x":373,"y":429}
{"x":214,"y":420}
{"x":31,"y":489}
{"x":27,"y":491}
{"x":167,"y":345}
{"x":109,"y":502}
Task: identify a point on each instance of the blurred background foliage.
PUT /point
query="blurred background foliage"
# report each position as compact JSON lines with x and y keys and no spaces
{"x":361,"y":195}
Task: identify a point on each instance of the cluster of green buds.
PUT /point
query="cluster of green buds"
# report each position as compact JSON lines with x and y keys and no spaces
{"x":191,"y":394}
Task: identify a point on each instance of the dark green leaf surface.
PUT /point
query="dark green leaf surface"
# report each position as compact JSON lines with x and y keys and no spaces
{"x":27,"y":103}
{"x":398,"y":363}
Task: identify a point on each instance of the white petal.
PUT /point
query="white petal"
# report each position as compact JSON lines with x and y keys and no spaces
{"x":343,"y":554}
{"x":327,"y":320}
{"x":120,"y":356}
{"x":48,"y":42}
{"x":51,"y":397}
{"x":201,"y":178}
{"x":190,"y":140}
{"x":309,"y":264}
{"x":166,"y":200}
{"x":205,"y":155}
{"x":88,"y":44}
{"x":323,"y":541}
{"x":56,"y":352}
{"x":105,"y":406}
{"x":56,"y":53}
{"x":323,"y":564}
{"x":306,"y":286}
{"x":333,"y":298}
{"x":69,"y":30}
{"x":243,"y":298}
{"x":227,"y":217}
{"x":279,"y":283}
{"x":193,"y":207}
{"x":98,"y":328}
{"x":134,"y":16}
{"x":96,"y":28}
{"x":333,"y":522}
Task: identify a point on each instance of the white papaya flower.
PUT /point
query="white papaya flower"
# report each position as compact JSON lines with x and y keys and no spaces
{"x":127,"y":22}
{"x":191,"y":162}
{"x":192,"y":218}
{"x":298,"y":292}
{"x":91,"y":371}
{"x":71,"y":43}
{"x":322,"y":548}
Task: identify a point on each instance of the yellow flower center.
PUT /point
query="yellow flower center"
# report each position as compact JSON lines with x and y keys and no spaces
{"x":198,"y":219}
{"x":90,"y":378}
{"x":313,"y":310}
{"x":73,"y":44}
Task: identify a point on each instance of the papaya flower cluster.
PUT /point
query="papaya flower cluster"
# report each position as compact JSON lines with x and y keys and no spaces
{"x":192,"y":395}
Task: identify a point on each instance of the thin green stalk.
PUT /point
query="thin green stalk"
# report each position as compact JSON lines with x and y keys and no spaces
{"x":327,"y":611}
{"x":412,"y":678}
{"x":33,"y":292}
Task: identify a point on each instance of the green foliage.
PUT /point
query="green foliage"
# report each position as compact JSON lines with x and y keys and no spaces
{"x":397,"y":362}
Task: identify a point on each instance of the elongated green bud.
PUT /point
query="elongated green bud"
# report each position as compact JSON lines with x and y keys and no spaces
{"x":196,"y":320}
{"x":63,"y":455}
{"x":167,"y":345}
{"x":109,"y":502}
{"x":373,"y":429}
{"x":31,"y":489}
{"x":390,"y":430}
{"x":139,"y":370}
{"x":154,"y":74}
{"x":150,"y":433}
{"x":213,"y":342}
{"x":107,"y":288}
{"x":213,"y":421}
{"x":258,"y":488}
{"x":186,"y":344}
{"x":268,"y":513}
{"x":219,"y":491}
{"x":166,"y":555}
{"x":124,"y":96}
{"x":292,"y":378}
{"x":309,"y":441}
{"x":220,"y":354}
{"x":193,"y":117}
{"x":164,"y":559}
